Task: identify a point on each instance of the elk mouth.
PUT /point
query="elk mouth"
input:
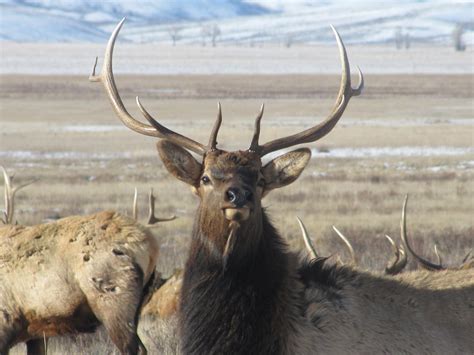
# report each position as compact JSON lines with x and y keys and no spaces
{"x":235,"y":214}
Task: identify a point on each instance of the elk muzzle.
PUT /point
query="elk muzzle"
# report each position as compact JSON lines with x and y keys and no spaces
{"x":238,"y":200}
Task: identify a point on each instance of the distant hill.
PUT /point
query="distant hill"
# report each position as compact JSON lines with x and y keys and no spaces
{"x":235,"y":22}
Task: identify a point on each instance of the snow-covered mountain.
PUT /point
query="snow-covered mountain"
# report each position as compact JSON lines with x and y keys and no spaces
{"x":234,"y":22}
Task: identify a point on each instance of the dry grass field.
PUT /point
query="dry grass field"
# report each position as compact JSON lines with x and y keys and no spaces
{"x":406,"y":134}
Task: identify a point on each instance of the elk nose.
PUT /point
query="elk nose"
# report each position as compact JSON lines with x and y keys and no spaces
{"x":237,"y":196}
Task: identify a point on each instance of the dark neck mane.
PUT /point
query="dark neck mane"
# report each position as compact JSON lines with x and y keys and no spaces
{"x":241,"y":308}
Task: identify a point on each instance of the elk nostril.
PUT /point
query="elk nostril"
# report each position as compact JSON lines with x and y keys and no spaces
{"x":232,"y":195}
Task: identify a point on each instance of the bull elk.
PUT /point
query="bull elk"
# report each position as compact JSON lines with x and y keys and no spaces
{"x":71,"y":275}
{"x":244,"y":292}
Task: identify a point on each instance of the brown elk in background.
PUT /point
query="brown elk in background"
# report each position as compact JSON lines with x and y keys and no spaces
{"x":71,"y":275}
{"x":244,"y":292}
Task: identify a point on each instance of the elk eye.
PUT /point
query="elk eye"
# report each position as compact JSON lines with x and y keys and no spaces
{"x":205,"y":180}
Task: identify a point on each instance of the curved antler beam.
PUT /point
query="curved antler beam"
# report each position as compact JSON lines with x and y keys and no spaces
{"x":403,"y":231}
{"x":155,"y":129}
{"x":320,"y":130}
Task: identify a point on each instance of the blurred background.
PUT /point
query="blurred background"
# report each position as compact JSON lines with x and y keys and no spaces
{"x":261,"y":24}
{"x":240,"y":22}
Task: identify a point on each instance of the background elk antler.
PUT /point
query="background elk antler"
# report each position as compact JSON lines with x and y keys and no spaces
{"x":394,"y":266}
{"x":9,"y":195}
{"x":152,"y":219}
{"x":466,"y":263}
{"x":399,"y":260}
{"x":312,"y":251}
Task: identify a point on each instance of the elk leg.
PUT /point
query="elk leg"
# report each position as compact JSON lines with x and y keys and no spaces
{"x":3,"y":348}
{"x":35,"y":347}
{"x":8,"y":332}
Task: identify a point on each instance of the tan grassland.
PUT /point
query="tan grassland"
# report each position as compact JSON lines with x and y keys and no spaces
{"x":40,"y":117}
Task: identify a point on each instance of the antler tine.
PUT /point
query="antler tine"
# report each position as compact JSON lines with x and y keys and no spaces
{"x":163,"y":132}
{"x":151,"y":212}
{"x":467,"y":257}
{"x":348,"y":244}
{"x":256,"y":132}
{"x":10,"y":195}
{"x":320,"y":130}
{"x":7,"y":194}
{"x":467,"y":262}
{"x":307,"y":241}
{"x":438,"y":256}
{"x":403,"y":226}
{"x":151,"y":208}
{"x":399,"y":261}
{"x":215,"y":130}
{"x":106,"y":77}
{"x":403,"y":258}
{"x":135,"y":205}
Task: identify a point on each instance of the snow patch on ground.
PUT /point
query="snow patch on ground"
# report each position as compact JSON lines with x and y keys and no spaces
{"x":335,"y":153}
{"x":377,"y":152}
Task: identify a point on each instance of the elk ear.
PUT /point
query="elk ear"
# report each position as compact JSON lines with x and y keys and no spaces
{"x":285,"y":169}
{"x":179,"y":162}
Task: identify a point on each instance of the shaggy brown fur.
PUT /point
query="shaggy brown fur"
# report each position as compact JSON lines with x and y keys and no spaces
{"x":165,"y":299}
{"x":73,"y":274}
{"x":255,"y":297}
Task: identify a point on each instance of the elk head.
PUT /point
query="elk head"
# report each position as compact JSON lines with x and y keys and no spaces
{"x":230,"y":185}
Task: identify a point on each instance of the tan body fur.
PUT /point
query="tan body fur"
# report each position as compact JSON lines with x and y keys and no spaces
{"x":165,"y":300}
{"x":68,"y":276}
{"x":417,"y":312}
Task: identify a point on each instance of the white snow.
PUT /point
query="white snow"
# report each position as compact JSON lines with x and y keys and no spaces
{"x":377,"y":152}
{"x":241,"y":22}
{"x":335,"y":153}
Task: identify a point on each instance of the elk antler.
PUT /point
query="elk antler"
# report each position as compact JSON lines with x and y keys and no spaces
{"x":10,"y":196}
{"x":151,"y":210}
{"x":438,"y":256}
{"x":106,"y":77}
{"x":403,"y":226}
{"x":151,"y":214}
{"x":135,"y":205}
{"x":399,"y":261}
{"x":348,"y":244}
{"x":467,"y":262}
{"x":307,"y":241}
{"x":320,"y":130}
